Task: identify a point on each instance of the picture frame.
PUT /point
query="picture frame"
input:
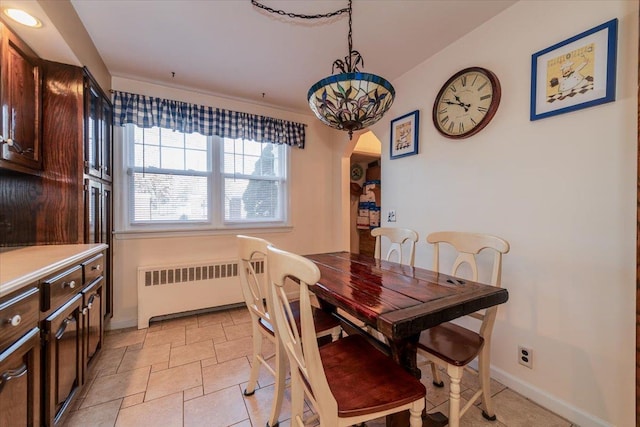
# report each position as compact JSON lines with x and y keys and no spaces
{"x":577,"y":73}
{"x":404,"y":135}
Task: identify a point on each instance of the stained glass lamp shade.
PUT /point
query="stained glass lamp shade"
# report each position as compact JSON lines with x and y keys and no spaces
{"x":351,"y":101}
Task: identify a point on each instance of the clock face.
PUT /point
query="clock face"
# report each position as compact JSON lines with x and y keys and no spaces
{"x":466,"y":103}
{"x":356,"y":172}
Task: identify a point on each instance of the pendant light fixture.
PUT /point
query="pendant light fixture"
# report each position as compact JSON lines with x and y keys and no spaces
{"x":351,"y":100}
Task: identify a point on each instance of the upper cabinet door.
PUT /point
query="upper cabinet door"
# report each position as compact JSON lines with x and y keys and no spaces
{"x":20,"y":94}
{"x":98,"y":130}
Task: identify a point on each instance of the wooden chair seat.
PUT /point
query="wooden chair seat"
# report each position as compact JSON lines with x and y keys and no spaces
{"x":365,"y":381}
{"x":452,"y":343}
{"x":322,"y":320}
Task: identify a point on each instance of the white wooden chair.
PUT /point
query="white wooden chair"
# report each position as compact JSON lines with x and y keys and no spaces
{"x":399,"y":238}
{"x":253,"y":277}
{"x":452,"y":346}
{"x":347,"y":381}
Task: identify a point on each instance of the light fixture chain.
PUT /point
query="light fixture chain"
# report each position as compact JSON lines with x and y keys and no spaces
{"x":302,"y":16}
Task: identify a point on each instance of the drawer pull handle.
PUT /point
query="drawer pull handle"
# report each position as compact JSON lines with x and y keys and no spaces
{"x":85,"y":311}
{"x":90,"y":305}
{"x":12,"y":374}
{"x":15,"y":320}
{"x":96,"y":267}
{"x":71,"y":284}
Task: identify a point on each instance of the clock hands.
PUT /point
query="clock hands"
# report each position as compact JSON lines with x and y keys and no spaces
{"x":462,"y":104}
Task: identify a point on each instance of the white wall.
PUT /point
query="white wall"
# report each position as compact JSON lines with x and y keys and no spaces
{"x":561,"y":190}
{"x":316,"y":198}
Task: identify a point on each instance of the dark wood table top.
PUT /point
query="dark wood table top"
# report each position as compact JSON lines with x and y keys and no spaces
{"x":398,"y":300}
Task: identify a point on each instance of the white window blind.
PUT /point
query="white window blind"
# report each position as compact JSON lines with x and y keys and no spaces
{"x":181,"y":181}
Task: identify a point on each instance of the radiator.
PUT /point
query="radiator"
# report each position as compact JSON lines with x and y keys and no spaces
{"x":171,"y":289}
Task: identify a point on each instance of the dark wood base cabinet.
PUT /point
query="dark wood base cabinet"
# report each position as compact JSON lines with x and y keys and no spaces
{"x":20,"y":382}
{"x":51,"y":334}
{"x":63,"y":358}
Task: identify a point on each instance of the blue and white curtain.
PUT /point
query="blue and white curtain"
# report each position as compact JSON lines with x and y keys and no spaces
{"x":146,"y":112}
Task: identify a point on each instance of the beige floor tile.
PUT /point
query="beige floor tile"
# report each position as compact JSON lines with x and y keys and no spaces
{"x":103,"y":415}
{"x":226,"y":374}
{"x":192,"y":393}
{"x":165,"y":412}
{"x":112,"y":387}
{"x":514,"y":410}
{"x":134,"y":399}
{"x":109,"y":360}
{"x":208,"y":362}
{"x":166,"y":336}
{"x":234,"y":349}
{"x":191,"y":353}
{"x":172,"y":380}
{"x":180,"y":321}
{"x":247,"y":423}
{"x":213,"y":332}
{"x":240,"y":315}
{"x":118,"y":339}
{"x":473,"y":417}
{"x":259,"y":405}
{"x":220,"y":409}
{"x":234,"y":332}
{"x":160,"y":366}
{"x":146,"y":356}
{"x":213,"y":318}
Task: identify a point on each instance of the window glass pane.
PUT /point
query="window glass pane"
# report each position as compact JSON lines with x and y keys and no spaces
{"x":172,"y":158}
{"x":171,"y":139}
{"x":250,"y":199}
{"x":195,"y":141}
{"x":197,"y":160}
{"x":147,"y":156}
{"x":162,"y":197}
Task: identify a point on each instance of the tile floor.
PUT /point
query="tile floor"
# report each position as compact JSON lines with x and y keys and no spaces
{"x":191,"y":371}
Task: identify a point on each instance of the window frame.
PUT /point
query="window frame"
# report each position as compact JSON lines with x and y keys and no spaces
{"x":216,"y":195}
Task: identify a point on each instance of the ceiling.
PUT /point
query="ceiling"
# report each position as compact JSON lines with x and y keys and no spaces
{"x":234,"y":49}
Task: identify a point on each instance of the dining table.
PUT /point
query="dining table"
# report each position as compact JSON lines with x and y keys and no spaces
{"x":400,"y":302}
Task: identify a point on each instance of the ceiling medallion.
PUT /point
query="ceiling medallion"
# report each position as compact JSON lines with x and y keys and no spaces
{"x":351,"y":100}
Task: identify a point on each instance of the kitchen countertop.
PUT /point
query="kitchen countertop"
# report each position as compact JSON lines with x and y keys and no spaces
{"x":21,"y":266}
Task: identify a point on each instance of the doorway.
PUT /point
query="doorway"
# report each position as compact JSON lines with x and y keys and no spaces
{"x":365,"y":192}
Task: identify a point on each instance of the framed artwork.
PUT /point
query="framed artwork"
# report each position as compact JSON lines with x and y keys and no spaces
{"x":577,"y":73}
{"x":404,"y":135}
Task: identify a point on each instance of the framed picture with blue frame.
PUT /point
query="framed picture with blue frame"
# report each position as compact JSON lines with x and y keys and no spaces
{"x":576,"y":73}
{"x":404,"y":135}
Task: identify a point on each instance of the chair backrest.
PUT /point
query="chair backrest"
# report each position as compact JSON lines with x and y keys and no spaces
{"x":301,"y":348}
{"x":252,"y":253}
{"x":397,"y":238}
{"x":468,"y":245}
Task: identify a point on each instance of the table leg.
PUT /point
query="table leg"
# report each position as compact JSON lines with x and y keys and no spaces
{"x":404,"y":352}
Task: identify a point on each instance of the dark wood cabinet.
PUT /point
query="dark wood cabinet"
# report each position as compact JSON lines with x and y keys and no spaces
{"x":98,"y":228}
{"x":63,"y":354}
{"x":92,"y":311}
{"x":20,"y":382}
{"x":98,"y":130}
{"x":20,"y":358}
{"x":20,"y":96}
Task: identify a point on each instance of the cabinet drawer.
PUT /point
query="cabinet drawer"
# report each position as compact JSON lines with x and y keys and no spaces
{"x":93,"y":268}
{"x":57,"y":290}
{"x":17,"y":316}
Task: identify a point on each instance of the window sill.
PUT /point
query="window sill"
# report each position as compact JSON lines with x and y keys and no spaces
{"x":155,"y":234}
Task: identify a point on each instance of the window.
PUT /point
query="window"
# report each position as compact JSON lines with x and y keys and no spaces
{"x":183,"y":181}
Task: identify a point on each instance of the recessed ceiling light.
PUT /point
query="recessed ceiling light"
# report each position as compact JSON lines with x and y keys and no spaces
{"x":23,"y":18}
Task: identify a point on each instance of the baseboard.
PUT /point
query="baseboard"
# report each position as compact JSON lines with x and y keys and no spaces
{"x":544,"y":399}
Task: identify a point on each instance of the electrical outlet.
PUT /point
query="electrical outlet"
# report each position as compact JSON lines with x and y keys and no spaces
{"x":391,"y":217}
{"x":525,"y":356}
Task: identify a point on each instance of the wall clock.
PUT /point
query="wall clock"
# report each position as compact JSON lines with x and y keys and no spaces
{"x":466,"y":103}
{"x":356,"y":172}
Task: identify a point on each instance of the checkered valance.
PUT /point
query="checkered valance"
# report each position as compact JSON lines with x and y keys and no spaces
{"x":146,"y":112}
